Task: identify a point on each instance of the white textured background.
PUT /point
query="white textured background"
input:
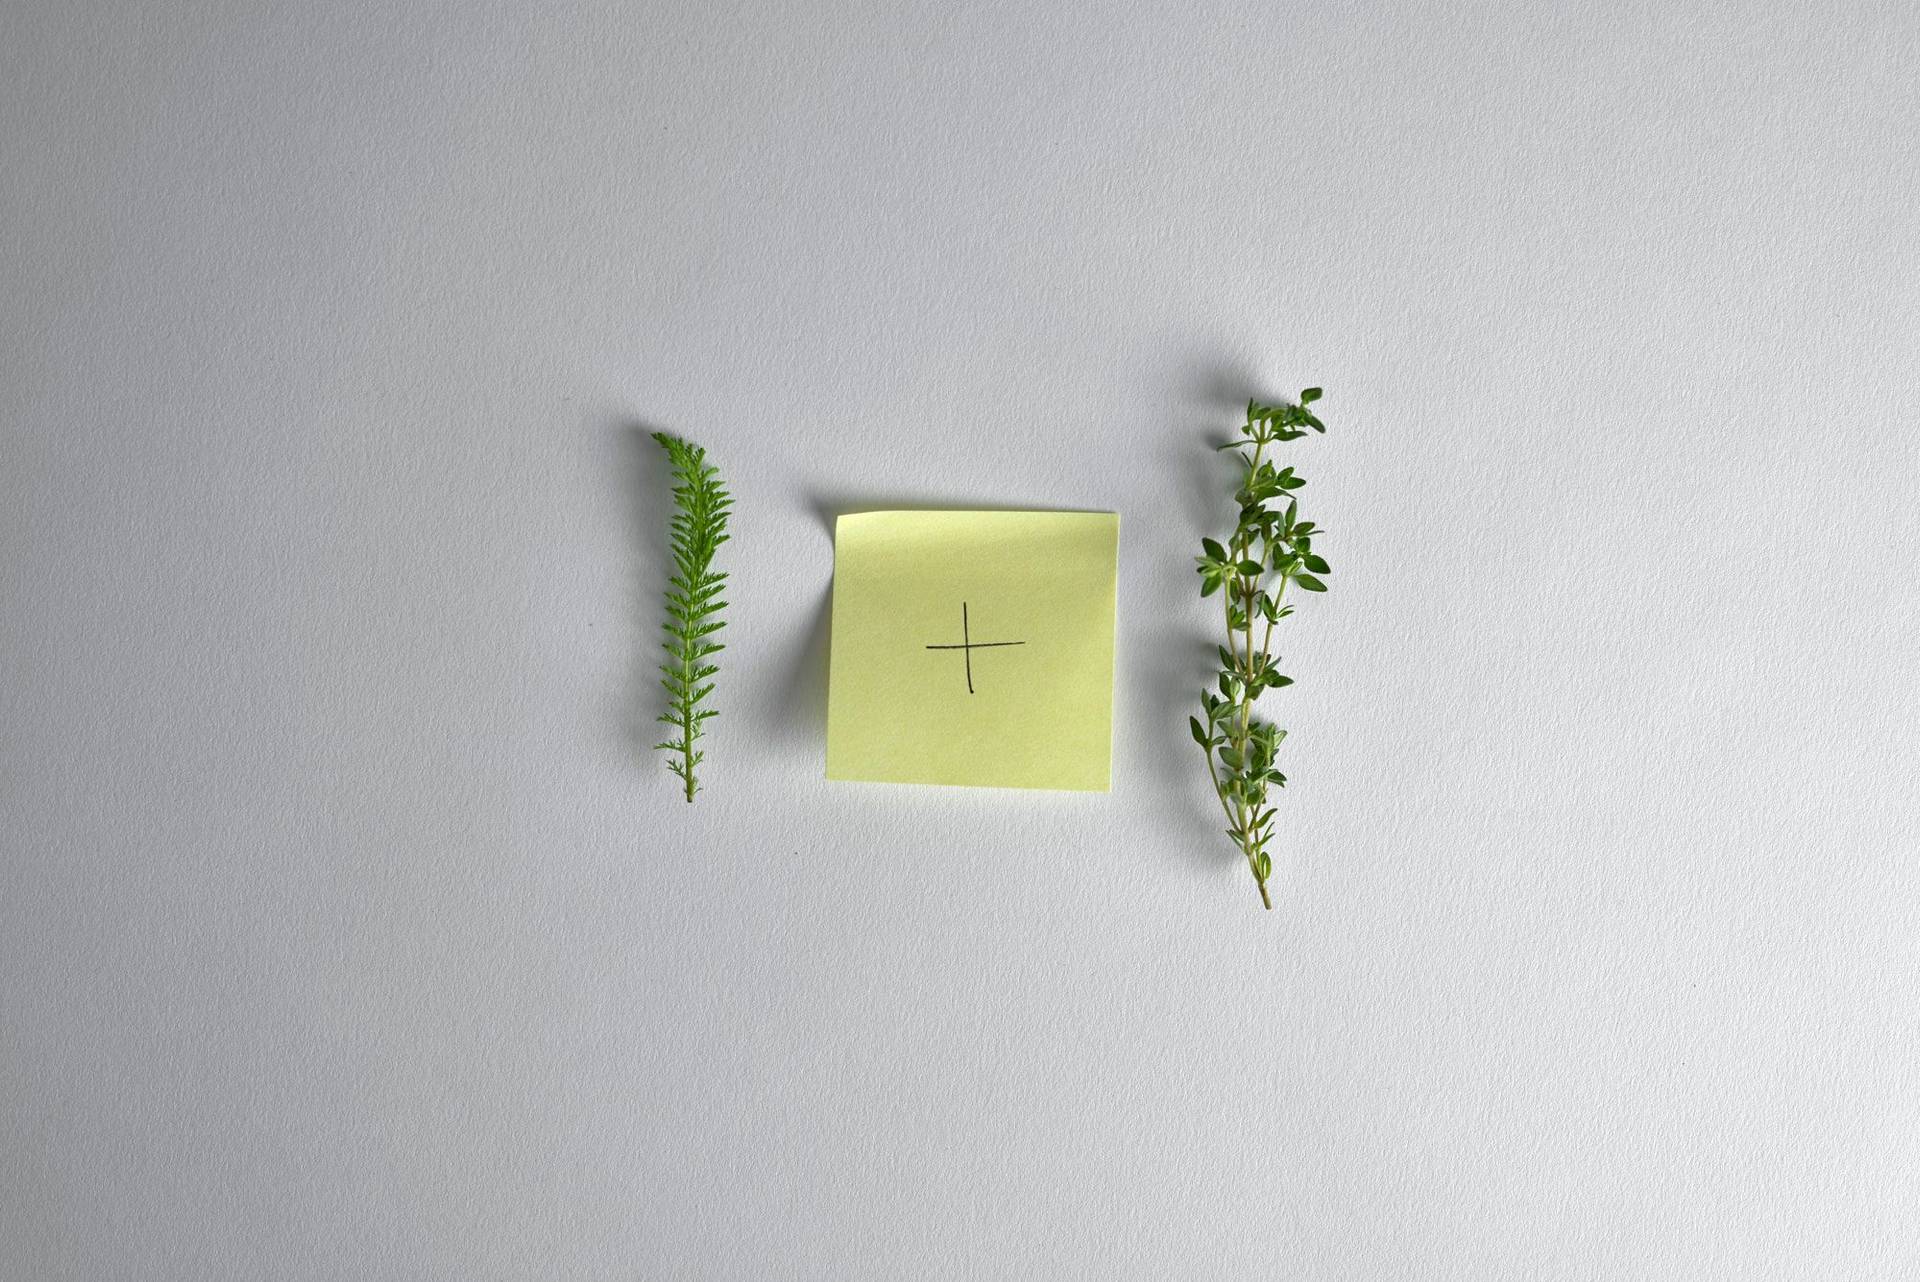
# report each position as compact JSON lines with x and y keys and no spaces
{"x":347,"y":930}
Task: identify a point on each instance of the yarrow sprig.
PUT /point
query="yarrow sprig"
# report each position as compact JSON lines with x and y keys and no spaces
{"x":1268,"y":547}
{"x":693,"y":602}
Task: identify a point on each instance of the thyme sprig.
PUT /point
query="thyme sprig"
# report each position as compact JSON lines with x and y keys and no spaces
{"x":1272,"y":547}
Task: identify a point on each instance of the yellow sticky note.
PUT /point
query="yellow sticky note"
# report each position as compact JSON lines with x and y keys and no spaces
{"x":973,"y":648}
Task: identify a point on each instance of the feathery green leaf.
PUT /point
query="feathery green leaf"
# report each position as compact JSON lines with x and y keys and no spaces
{"x":692,"y":600}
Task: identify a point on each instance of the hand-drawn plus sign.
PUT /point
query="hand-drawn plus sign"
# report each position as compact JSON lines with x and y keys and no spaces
{"x":968,"y":645}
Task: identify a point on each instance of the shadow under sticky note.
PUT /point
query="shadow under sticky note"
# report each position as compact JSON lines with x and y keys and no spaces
{"x":973,"y":648}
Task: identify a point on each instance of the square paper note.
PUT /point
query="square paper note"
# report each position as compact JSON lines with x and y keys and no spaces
{"x":973,"y":648}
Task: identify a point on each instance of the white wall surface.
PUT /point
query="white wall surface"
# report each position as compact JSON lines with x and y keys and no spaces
{"x":348,"y":929}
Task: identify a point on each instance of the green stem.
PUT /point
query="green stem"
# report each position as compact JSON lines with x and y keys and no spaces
{"x":1250,"y":587}
{"x":1218,"y":791}
{"x":687,"y":722}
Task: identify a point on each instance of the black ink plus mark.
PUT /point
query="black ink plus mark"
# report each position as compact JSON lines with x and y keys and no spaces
{"x":968,"y":645}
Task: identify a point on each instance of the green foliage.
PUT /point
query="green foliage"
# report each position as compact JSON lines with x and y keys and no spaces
{"x":1270,"y":550}
{"x":693,"y":602}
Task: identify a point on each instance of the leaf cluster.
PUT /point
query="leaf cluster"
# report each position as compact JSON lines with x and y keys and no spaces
{"x":1270,"y":550}
{"x":692,"y":603}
